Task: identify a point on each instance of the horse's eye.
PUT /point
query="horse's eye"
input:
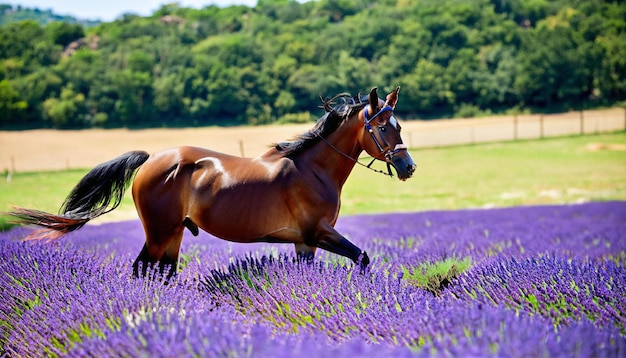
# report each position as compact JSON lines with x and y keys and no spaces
{"x":383,"y":129}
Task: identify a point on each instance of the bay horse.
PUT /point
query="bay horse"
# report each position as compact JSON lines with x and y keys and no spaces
{"x":290,"y":194}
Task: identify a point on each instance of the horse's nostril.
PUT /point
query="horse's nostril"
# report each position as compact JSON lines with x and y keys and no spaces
{"x":411,"y":168}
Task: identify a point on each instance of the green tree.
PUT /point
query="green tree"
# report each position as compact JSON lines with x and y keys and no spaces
{"x":406,"y":48}
{"x":309,"y":82}
{"x":612,"y":77}
{"x":168,"y":96}
{"x":284,"y":103}
{"x":17,"y":39}
{"x":140,"y":61}
{"x":67,"y":110}
{"x":354,"y":73}
{"x":34,"y":89}
{"x":425,"y":90}
{"x":63,"y":33}
{"x":10,"y":104}
{"x":134,"y":97}
{"x":493,"y":80}
{"x":460,"y":74}
{"x":551,"y":70}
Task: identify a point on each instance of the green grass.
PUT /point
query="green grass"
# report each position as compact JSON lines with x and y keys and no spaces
{"x":557,"y":170}
{"x":435,"y":276}
{"x":43,"y":191}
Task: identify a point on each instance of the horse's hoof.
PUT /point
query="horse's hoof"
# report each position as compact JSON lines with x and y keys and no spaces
{"x":363,"y":261}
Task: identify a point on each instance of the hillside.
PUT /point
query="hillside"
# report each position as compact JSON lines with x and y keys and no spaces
{"x":271,"y":63}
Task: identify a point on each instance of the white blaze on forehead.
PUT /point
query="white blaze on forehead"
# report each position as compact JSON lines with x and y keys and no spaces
{"x":393,"y":121}
{"x":218,"y":167}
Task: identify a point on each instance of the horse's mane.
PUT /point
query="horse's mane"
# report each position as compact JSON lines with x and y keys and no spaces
{"x":326,"y":124}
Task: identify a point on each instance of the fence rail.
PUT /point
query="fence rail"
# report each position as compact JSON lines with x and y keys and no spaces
{"x":436,"y":133}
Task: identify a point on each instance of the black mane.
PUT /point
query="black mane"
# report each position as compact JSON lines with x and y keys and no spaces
{"x":326,"y":124}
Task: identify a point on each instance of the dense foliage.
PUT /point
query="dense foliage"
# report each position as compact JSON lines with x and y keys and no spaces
{"x":517,"y":282}
{"x":242,"y":65}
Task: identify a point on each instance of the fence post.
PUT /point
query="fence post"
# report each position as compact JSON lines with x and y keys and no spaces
{"x":515,"y":127}
{"x":241,"y":147}
{"x":541,"y":126}
{"x":11,"y":170}
{"x":582,"y":123}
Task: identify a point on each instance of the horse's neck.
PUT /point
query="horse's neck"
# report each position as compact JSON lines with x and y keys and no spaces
{"x":334,"y":157}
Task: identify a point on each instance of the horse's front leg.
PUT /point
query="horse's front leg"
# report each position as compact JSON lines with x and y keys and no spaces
{"x":330,"y":240}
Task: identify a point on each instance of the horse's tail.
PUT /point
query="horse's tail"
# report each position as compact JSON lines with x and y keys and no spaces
{"x":98,"y":192}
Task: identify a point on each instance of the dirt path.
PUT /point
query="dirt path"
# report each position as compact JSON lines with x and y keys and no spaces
{"x":51,"y":149}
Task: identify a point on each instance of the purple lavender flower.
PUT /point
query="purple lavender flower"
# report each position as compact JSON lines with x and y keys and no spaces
{"x":543,"y":281}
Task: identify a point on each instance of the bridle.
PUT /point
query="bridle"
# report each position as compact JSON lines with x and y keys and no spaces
{"x":368,"y":125}
{"x":388,"y":154}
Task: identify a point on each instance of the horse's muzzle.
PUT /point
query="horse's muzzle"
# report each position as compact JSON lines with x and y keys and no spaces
{"x":404,"y":165}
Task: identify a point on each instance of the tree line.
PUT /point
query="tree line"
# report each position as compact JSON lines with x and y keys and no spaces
{"x":271,"y":63}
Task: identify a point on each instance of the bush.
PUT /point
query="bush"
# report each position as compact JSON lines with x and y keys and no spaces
{"x":470,"y":111}
{"x":302,"y":117}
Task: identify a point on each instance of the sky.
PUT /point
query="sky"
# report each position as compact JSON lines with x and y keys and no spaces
{"x":109,"y":10}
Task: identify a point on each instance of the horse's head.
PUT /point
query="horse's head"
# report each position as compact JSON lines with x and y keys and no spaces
{"x":381,"y":136}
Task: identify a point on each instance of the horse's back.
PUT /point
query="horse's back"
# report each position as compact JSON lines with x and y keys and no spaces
{"x":235,"y":198}
{"x":204,"y":172}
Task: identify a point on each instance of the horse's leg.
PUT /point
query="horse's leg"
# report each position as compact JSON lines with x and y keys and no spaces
{"x":305,"y":252}
{"x":330,"y":240}
{"x":170,"y":256}
{"x":163,"y":222}
{"x":144,"y":260}
{"x":161,"y":194}
{"x":161,"y":248}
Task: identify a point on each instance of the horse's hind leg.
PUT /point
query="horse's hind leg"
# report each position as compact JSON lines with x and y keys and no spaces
{"x":162,"y":247}
{"x":170,"y":256}
{"x":144,"y":260}
{"x":305,"y":252}
{"x":160,"y":192}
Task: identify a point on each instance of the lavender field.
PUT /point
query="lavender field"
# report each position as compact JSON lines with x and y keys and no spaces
{"x":513,"y":282}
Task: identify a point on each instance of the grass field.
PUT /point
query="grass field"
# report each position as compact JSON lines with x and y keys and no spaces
{"x":558,"y":170}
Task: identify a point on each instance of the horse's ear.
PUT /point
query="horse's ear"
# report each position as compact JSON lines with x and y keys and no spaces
{"x":392,"y":98}
{"x":373,"y":99}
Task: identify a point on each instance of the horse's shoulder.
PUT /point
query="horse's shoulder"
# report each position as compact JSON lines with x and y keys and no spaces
{"x":274,"y":166}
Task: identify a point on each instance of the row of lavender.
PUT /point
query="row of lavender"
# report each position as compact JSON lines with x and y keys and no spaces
{"x":548,"y":280}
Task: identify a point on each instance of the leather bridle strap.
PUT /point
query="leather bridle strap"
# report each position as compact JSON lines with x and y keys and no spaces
{"x":368,"y":120}
{"x":387,"y":154}
{"x":389,"y":173}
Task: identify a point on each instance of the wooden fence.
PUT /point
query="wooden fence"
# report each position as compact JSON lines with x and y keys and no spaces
{"x":436,"y":133}
{"x":38,"y":150}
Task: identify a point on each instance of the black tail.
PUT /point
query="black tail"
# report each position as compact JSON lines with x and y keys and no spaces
{"x":98,"y":192}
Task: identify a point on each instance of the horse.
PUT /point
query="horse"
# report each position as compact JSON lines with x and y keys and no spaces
{"x":290,"y":194}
